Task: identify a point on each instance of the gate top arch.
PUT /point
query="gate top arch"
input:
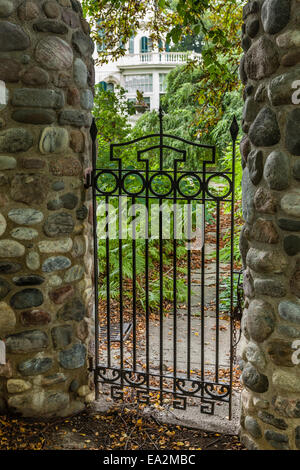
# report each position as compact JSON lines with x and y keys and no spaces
{"x":161,"y":146}
{"x":203,"y":174}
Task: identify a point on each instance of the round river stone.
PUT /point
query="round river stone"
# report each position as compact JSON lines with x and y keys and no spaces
{"x":25,"y":216}
{"x":6,"y":8}
{"x":275,"y":15}
{"x":27,"y":298}
{"x":277,"y":170}
{"x":59,"y":224}
{"x":265,"y":132}
{"x":12,"y":37}
{"x":55,"y":263}
{"x":54,"y":140}
{"x":74,"y":357}
{"x":54,"y":54}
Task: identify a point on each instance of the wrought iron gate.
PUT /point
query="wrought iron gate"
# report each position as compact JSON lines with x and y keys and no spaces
{"x":159,"y":351}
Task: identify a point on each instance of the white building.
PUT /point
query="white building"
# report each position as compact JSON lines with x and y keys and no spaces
{"x":142,"y":68}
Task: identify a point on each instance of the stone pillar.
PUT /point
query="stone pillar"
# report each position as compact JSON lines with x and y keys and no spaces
{"x":270,"y":241}
{"x":46,"y":85}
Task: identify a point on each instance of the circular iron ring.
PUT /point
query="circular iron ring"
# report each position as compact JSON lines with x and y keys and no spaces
{"x":161,"y":173}
{"x":224,"y":196}
{"x":184,"y":175}
{"x":110,"y":172}
{"x":133,"y":172}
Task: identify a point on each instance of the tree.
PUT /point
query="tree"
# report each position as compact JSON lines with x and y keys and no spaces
{"x":111,"y":111}
{"x":182,"y":118}
{"x":219,"y":22}
{"x":192,"y":42}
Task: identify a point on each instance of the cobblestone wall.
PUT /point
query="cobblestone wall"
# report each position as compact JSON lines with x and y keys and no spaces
{"x":46,"y":90}
{"x":270,"y":241}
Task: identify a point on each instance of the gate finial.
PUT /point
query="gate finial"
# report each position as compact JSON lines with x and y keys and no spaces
{"x":161,"y":115}
{"x":94,"y":130}
{"x":234,"y":129}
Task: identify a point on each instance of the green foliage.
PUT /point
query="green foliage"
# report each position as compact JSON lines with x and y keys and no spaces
{"x":191,"y":42}
{"x":225,"y":291}
{"x":218,"y":22}
{"x":226,"y":164}
{"x":140,"y":97}
{"x":111,"y":111}
{"x":232,"y":106}
{"x":225,"y":252}
{"x":127,"y":271}
{"x":182,"y":119}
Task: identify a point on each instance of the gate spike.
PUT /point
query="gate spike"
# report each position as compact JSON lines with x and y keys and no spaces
{"x":94,"y":130}
{"x":234,"y":129}
{"x":161,"y":115}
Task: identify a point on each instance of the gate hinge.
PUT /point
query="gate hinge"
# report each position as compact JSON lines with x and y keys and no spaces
{"x":88,"y":178}
{"x":237,"y":311}
{"x":91,"y":364}
{"x":236,"y":316}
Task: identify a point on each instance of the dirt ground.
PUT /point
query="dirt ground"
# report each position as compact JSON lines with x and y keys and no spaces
{"x":123,"y":428}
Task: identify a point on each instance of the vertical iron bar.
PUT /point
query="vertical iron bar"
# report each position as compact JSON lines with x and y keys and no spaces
{"x":134,"y":284}
{"x":202,"y":282}
{"x":161,"y":295}
{"x":234,"y":130}
{"x":93,"y":133}
{"x":161,"y":139}
{"x":147,"y":274}
{"x":121,"y":273}
{"x":217,"y":289}
{"x":234,"y":133}
{"x":107,"y":284}
{"x":189,"y":221}
{"x":175,"y":282}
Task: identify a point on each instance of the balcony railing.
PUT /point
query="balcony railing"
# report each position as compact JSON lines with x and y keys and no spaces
{"x":155,"y":58}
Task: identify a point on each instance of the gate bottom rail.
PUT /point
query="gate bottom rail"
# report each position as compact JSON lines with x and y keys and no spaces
{"x":181,"y":387}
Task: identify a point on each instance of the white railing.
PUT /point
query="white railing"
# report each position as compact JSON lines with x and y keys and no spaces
{"x":158,"y":58}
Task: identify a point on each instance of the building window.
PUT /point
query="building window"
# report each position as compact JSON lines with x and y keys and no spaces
{"x":103,"y":86}
{"x":131,"y":45}
{"x":163,"y":82}
{"x":147,"y":100}
{"x":144,"y":44}
{"x":143,"y":83}
{"x":110,"y":87}
{"x":107,"y":86}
